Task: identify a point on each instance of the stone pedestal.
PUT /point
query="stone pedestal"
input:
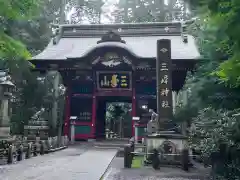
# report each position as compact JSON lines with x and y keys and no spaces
{"x":169,"y":144}
{"x":6,"y":87}
{"x":4,"y":121}
{"x":35,"y":129}
{"x":37,"y":126}
{"x":4,"y":133}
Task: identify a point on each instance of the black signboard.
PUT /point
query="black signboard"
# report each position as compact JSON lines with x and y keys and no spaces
{"x":114,"y":80}
{"x":164,"y":81}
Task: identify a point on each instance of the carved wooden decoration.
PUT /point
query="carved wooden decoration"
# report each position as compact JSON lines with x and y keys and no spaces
{"x":111,"y":37}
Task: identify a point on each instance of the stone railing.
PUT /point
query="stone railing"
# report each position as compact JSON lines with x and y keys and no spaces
{"x":155,"y":157}
{"x":18,"y":150}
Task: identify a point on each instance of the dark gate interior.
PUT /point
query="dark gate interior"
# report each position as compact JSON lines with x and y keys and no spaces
{"x":101,"y":112}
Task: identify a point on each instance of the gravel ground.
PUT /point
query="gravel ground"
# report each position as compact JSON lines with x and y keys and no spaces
{"x":117,"y":172}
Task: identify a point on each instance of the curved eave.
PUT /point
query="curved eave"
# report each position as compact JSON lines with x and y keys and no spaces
{"x":139,"y":47}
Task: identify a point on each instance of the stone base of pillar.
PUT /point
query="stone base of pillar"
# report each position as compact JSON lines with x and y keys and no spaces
{"x":5,"y":133}
{"x":169,"y":145}
{"x":91,"y":140}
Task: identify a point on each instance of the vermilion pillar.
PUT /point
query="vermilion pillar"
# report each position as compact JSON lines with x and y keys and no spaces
{"x":67,"y":112}
{"x":133,"y":109}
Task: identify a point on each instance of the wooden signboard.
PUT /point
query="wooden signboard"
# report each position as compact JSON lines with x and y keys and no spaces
{"x":114,"y":80}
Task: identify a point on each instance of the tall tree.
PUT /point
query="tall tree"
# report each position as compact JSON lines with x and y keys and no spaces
{"x":26,"y":32}
{"x":223,"y":15}
{"x":83,"y":11}
{"x":214,"y":86}
{"x":151,"y":11}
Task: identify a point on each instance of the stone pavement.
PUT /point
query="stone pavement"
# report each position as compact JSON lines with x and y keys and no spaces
{"x":117,"y":172}
{"x":84,"y":162}
{"x":74,"y":163}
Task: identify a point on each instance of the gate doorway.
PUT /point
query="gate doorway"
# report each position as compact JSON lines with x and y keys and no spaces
{"x":113,"y":118}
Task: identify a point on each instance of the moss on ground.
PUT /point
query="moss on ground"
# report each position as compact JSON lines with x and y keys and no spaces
{"x":137,"y":162}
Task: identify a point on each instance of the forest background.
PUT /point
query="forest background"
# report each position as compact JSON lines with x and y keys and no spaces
{"x":25,"y":30}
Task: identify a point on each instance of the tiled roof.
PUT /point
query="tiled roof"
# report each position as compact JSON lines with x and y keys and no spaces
{"x":141,"y":47}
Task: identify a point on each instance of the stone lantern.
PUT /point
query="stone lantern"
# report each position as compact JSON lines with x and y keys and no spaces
{"x":6,"y":88}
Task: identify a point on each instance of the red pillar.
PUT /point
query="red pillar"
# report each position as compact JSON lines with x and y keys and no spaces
{"x":133,"y":109}
{"x":94,"y":103}
{"x":67,"y":113}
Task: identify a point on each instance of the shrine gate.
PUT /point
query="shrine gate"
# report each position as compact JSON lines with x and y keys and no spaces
{"x":101,"y":63}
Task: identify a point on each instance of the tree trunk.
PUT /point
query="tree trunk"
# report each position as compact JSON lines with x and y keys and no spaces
{"x":62,"y":12}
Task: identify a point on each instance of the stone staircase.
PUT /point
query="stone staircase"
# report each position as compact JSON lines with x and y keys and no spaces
{"x":111,"y":143}
{"x":118,"y":144}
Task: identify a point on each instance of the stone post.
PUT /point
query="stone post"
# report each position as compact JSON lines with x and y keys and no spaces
{"x":185,"y":97}
{"x":5,"y":94}
{"x":72,"y":133}
{"x":164,"y":83}
{"x":136,"y":132}
{"x":174,"y":99}
{"x":55,"y":103}
{"x":5,"y":120}
{"x":185,"y":101}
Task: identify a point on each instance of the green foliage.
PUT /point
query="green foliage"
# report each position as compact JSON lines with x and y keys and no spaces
{"x":16,"y":38}
{"x":28,"y":95}
{"x":214,"y":86}
{"x":116,"y":110}
{"x":207,"y":89}
{"x":13,"y":11}
{"x":211,"y":129}
{"x":224,"y":16}
{"x":18,"y":9}
{"x":11,"y":48}
{"x":118,"y":118}
{"x":25,"y":30}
